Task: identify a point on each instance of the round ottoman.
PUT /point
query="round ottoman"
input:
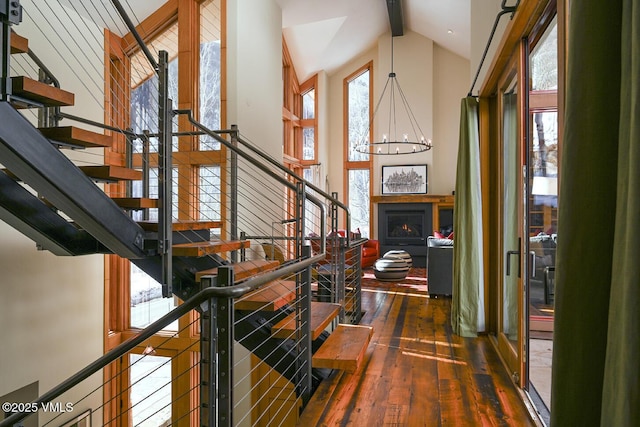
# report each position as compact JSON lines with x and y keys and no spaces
{"x":400,"y":254}
{"x":390,"y":268}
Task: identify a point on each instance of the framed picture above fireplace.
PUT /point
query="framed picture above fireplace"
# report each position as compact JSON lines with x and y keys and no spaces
{"x":404,"y":179}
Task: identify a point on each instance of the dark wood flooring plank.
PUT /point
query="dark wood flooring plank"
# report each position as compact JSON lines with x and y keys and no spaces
{"x":418,"y":373}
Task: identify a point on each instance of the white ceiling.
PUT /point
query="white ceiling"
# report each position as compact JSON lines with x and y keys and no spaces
{"x":326,"y":34}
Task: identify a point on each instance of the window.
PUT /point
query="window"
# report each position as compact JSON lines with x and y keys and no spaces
{"x":210,"y":72}
{"x":358,"y":107}
{"x":134,"y":298}
{"x":309,"y":122}
{"x":357,"y":93}
{"x":359,"y":201}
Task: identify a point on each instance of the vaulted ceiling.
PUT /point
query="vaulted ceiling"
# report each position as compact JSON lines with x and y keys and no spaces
{"x":325,"y":34}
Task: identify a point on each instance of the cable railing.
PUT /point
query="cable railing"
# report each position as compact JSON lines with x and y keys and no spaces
{"x":286,"y":360}
{"x":242,"y":194}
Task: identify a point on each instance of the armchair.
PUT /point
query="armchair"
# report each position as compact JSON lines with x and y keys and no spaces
{"x":370,"y":252}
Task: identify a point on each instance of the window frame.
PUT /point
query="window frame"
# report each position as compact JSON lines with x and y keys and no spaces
{"x":358,"y":164}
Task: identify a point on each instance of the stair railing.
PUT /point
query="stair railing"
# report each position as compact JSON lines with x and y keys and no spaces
{"x":215,"y":303}
{"x":343,"y":274}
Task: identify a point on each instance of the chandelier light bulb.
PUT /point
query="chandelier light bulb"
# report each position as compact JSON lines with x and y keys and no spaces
{"x":384,"y":137}
{"x":405,"y":137}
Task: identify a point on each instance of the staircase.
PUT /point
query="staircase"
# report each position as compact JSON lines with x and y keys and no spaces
{"x":63,"y":207}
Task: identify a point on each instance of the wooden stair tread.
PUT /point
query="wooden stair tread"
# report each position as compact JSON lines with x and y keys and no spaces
{"x":200,"y":249}
{"x":135,"y":202}
{"x":112,"y":173}
{"x":344,"y":349}
{"x":270,"y":297}
{"x":75,"y":136}
{"x":182,"y":225}
{"x":244,"y":269}
{"x":43,"y":93}
{"x":322,"y":313}
{"x":19,"y":44}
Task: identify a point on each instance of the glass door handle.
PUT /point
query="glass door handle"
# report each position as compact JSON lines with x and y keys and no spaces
{"x":509,"y":253}
{"x":533,"y":263}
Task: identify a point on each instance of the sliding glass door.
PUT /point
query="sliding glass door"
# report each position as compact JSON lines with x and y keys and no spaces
{"x":510,"y":307}
{"x":543,"y":152}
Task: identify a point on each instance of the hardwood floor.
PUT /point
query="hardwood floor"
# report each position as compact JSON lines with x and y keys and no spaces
{"x":417,"y":373}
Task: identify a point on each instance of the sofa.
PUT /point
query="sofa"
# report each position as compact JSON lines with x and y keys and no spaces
{"x":439,"y":265}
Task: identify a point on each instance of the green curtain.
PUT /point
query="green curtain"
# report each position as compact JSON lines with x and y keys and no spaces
{"x":596,"y":354}
{"x":467,"y":305}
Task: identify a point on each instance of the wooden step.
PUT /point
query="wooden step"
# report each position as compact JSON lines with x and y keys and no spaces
{"x":322,"y":313}
{"x":111,"y":173}
{"x":135,"y":203}
{"x":270,"y":297}
{"x":39,"y":92}
{"x":344,"y":349}
{"x":200,"y":249}
{"x":243,"y":270}
{"x":77,"y":137}
{"x":19,"y":44}
{"x":182,"y":225}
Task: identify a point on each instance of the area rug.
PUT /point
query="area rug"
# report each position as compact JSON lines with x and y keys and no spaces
{"x":416,"y":281}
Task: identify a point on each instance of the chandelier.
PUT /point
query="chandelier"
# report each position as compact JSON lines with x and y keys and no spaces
{"x":408,"y":141}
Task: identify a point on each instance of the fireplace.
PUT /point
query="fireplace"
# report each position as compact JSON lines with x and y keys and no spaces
{"x":405,"y":226}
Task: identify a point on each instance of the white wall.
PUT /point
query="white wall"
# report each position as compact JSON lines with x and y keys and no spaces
{"x":450,"y":85}
{"x":51,"y":313}
{"x":51,"y":308}
{"x":483,"y":16}
{"x":254,"y":74}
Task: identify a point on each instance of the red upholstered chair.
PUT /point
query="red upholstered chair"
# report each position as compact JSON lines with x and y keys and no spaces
{"x":370,"y":252}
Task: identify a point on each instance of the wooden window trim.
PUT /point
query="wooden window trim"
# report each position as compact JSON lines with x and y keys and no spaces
{"x":362,"y":164}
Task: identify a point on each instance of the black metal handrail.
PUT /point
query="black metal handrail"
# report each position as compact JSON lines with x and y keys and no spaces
{"x":235,"y":291}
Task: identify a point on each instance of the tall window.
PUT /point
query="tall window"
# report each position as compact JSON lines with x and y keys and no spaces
{"x":357,"y":94}
{"x":309,"y":122}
